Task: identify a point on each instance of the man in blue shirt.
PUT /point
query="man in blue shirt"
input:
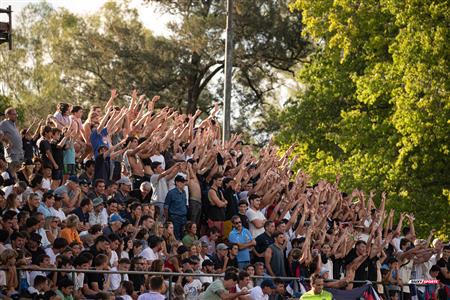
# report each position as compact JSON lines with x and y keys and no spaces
{"x":243,"y":238}
{"x":175,"y":206}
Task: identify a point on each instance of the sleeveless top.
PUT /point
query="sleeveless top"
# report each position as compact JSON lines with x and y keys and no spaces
{"x":215,"y":213}
{"x":277,"y":261}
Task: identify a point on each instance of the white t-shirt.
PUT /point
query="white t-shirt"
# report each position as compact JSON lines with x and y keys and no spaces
{"x":159,"y":187}
{"x":256,"y":293}
{"x":46,"y":184}
{"x":204,"y":279}
{"x":49,"y":251}
{"x":79,"y":280}
{"x":255,"y":215}
{"x":114,"y":259}
{"x":192,"y":290}
{"x":58,"y":213}
{"x":149,"y":254}
{"x":116,"y":279}
{"x":151,"y":296}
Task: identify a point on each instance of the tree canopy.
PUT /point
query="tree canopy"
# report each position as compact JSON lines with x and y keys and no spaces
{"x":375,"y":101}
{"x":61,"y":56}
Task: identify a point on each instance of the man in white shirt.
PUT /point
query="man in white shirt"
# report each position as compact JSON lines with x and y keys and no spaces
{"x":263,"y":291}
{"x":159,"y":184}
{"x":96,"y":216}
{"x":255,"y":217}
{"x":151,"y":253}
{"x":116,"y":279}
{"x":207,"y":268}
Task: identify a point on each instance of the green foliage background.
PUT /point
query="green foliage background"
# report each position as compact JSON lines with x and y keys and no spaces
{"x":375,"y":102}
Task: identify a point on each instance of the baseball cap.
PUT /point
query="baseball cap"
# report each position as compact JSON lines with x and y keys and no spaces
{"x":323,"y":271}
{"x":74,"y":179}
{"x":180,"y":178}
{"x":204,"y":244}
{"x":268,"y":282}
{"x":85,"y":181}
{"x":222,"y":246}
{"x":116,"y":218}
{"x":97,"y":201}
{"x":124,"y":180}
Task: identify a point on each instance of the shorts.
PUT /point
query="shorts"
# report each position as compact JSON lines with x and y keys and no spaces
{"x":69,"y":169}
{"x":57,"y":174}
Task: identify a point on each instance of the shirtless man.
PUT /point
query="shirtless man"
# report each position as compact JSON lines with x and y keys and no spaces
{"x":195,"y":193}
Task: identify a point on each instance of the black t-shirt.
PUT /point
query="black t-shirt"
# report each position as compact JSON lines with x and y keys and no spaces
{"x":94,"y":277}
{"x":84,"y":217}
{"x":218,"y":263}
{"x":137,"y":280}
{"x":232,"y":206}
{"x":102,"y":168}
{"x":362,"y":273}
{"x":263,"y":241}
{"x":232,"y":262}
{"x":443,"y":264}
{"x":138,"y":195}
{"x":28,"y":148}
{"x":58,"y":154}
{"x":21,"y":176}
{"x":44,"y":146}
{"x":214,"y":212}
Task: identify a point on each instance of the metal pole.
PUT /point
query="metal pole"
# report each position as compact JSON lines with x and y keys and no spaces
{"x":228,"y":72}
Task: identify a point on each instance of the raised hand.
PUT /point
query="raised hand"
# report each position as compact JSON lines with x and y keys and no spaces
{"x":114,"y":94}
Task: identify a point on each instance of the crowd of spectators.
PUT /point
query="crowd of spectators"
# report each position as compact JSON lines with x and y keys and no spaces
{"x":145,"y":189}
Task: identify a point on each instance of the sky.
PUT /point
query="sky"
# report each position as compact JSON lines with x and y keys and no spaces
{"x":150,"y":15}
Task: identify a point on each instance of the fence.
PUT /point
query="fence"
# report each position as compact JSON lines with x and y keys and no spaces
{"x":171,"y":275}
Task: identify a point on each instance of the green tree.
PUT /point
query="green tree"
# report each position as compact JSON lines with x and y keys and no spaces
{"x":266,"y":37}
{"x":61,"y":56}
{"x":375,"y":103}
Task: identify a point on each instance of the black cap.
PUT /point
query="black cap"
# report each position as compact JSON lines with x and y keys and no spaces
{"x":180,"y":178}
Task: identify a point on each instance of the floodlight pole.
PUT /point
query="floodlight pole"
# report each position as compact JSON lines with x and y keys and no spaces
{"x":228,"y":72}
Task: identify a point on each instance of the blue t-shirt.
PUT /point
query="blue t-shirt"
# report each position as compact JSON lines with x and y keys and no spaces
{"x":99,"y":139}
{"x":244,"y":237}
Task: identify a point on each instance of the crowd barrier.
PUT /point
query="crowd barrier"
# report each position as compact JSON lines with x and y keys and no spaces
{"x":171,"y":275}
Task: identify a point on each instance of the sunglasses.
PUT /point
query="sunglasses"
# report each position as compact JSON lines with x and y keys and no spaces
{"x":236,"y":223}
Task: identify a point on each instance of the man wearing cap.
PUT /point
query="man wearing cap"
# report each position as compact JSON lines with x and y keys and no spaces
{"x":219,"y":257}
{"x":243,"y":238}
{"x":13,"y":153}
{"x":124,"y":184}
{"x":115,"y":223}
{"x":69,"y":192}
{"x":96,"y":216}
{"x":175,"y":208}
{"x":263,"y":291}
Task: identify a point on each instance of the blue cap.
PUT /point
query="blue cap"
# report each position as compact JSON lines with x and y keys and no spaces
{"x":116,"y":218}
{"x":74,"y":179}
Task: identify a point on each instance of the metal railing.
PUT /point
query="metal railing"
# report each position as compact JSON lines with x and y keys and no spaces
{"x":171,"y":275}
